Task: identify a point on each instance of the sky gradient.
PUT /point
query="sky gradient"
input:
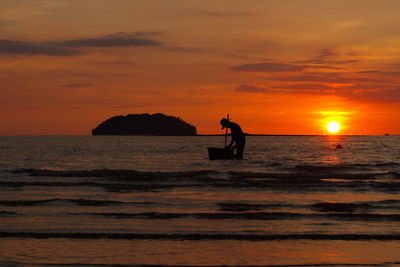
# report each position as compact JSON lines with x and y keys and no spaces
{"x":276,"y":66}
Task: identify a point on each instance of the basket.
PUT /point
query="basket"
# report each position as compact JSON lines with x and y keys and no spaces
{"x":215,"y":153}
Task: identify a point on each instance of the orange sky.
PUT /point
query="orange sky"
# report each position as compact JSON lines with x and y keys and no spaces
{"x":276,"y":66}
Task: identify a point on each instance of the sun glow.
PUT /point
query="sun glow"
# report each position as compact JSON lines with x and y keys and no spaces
{"x":333,"y":127}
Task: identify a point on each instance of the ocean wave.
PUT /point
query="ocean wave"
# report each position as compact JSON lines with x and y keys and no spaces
{"x":130,"y":174}
{"x":207,"y":216}
{"x":322,"y":168}
{"x":7,"y":213}
{"x":133,"y":175}
{"x":389,"y":204}
{"x":346,"y":167}
{"x":379,"y":164}
{"x":61,"y":201}
{"x":341,"y":207}
{"x":130,"y":180}
{"x":109,"y":186}
{"x":296,"y":185}
{"x":322,"y":264}
{"x":201,"y":236}
{"x":240,"y":207}
{"x":247,"y":216}
{"x":315,"y":175}
{"x":356,"y":206}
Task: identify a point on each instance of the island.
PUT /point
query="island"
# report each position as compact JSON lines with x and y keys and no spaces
{"x":145,"y":124}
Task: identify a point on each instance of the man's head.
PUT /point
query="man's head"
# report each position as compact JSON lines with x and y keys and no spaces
{"x":225,"y":123}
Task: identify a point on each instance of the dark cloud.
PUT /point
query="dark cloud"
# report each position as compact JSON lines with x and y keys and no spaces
{"x":310,"y":86}
{"x":357,"y":92}
{"x":380,"y":72}
{"x":385,"y":96}
{"x":250,"y":89}
{"x":326,"y":53}
{"x":320,"y":57}
{"x":368,"y":87}
{"x":324,"y":67}
{"x":310,"y":78}
{"x":269,"y":67}
{"x":345,"y":61}
{"x":291,"y":89}
{"x":324,"y":56}
{"x":76,"y":85}
{"x":181,"y":49}
{"x":134,"y":34}
{"x":326,"y":77}
{"x":12,"y":47}
{"x":72,"y":47}
{"x":111,"y":40}
{"x":323,"y":61}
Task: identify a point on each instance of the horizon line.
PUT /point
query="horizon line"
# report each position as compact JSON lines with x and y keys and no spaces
{"x":247,"y":134}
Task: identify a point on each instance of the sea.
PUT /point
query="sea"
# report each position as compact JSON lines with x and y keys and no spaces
{"x":159,"y":201}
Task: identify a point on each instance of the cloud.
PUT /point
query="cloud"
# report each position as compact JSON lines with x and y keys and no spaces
{"x":250,"y":89}
{"x":291,"y":89}
{"x":323,"y":57}
{"x":327,"y":77}
{"x":368,"y":87}
{"x":385,"y":96}
{"x":111,"y":40}
{"x":365,"y":86}
{"x":134,"y":34}
{"x":326,"y":53}
{"x":323,"y":61}
{"x":73,"y":47}
{"x":320,"y":57}
{"x":345,"y":61}
{"x":380,"y":72}
{"x":309,"y":78}
{"x":303,"y":86}
{"x":269,"y":67}
{"x":357,"y":92}
{"x":12,"y":47}
{"x":324,"y":67}
{"x":76,"y":85}
{"x":181,"y":49}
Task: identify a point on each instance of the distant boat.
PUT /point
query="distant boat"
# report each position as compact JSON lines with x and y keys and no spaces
{"x":387,"y":134}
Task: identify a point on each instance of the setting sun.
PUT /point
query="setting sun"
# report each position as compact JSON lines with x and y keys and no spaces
{"x":333,"y":127}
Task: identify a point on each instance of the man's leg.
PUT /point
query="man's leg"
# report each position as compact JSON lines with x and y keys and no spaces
{"x":239,"y":150}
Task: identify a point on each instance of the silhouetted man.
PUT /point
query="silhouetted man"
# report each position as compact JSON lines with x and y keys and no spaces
{"x":237,"y":137}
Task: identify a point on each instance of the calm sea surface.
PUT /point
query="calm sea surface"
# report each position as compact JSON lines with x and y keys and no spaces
{"x":124,"y":200}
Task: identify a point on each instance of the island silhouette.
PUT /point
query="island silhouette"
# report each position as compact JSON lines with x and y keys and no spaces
{"x":145,"y":124}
